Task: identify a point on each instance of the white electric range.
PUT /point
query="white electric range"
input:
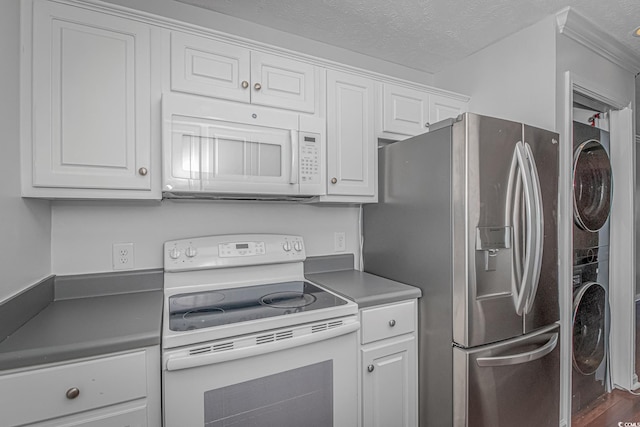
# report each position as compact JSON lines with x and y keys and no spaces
{"x":248,"y":341}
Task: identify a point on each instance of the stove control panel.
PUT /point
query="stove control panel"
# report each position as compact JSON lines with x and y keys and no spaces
{"x":235,"y":250}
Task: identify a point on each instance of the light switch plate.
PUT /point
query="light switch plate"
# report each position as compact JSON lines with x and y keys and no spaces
{"x":339,"y":244}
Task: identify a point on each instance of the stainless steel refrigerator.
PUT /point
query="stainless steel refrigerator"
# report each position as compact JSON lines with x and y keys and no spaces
{"x":468,"y":213}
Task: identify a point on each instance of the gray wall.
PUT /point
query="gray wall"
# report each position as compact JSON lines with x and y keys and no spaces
{"x":25,"y":225}
{"x":513,"y":78}
{"x":83,"y":232}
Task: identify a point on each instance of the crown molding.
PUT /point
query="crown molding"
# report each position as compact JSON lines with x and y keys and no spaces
{"x":578,"y":28}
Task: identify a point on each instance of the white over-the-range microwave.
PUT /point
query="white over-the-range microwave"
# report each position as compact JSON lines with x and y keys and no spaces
{"x":223,"y":149}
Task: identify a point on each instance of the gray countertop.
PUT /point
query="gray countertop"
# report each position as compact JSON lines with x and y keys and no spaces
{"x":66,"y":318}
{"x":363,"y":288}
{"x":103,"y":320}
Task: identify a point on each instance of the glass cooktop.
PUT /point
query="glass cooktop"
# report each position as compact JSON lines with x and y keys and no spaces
{"x":224,"y":306}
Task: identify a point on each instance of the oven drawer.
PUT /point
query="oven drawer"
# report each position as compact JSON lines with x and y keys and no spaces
{"x":55,"y":391}
{"x":387,"y":321}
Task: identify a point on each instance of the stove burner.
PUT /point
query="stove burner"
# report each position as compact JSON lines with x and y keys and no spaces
{"x":287,"y":299}
{"x":202,"y":313}
{"x":203,"y":300}
{"x":226,"y":306}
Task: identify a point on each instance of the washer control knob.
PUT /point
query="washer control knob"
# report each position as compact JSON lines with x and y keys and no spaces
{"x":174,"y":253}
{"x":286,"y":246}
{"x":297,"y":246}
{"x":191,"y":252}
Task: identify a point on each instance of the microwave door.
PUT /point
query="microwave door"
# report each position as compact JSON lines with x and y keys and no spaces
{"x":182,"y":173}
{"x":239,"y":158}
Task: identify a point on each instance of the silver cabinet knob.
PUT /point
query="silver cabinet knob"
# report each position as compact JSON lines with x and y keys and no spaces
{"x":392,"y":323}
{"x":73,"y":392}
{"x":257,"y":86}
{"x":245,"y":84}
{"x":427,"y":124}
{"x":334,"y":180}
{"x":370,"y":368}
{"x":143,"y":171}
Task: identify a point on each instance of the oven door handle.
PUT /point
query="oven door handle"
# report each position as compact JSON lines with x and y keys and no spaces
{"x":175,"y":362}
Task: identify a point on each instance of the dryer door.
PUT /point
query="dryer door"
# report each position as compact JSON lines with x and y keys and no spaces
{"x":592,"y":185}
{"x":589,"y":327}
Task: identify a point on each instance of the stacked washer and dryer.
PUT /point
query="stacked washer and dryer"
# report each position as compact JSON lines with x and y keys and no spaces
{"x":592,"y":191}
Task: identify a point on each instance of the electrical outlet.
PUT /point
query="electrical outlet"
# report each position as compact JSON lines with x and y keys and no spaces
{"x":122,"y":256}
{"x":339,"y":244}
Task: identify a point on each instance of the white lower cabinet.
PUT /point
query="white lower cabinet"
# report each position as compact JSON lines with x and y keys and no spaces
{"x":118,"y":390}
{"x":389,"y":365}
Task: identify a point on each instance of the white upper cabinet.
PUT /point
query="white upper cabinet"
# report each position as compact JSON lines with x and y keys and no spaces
{"x":351,"y":146}
{"x":443,"y":107}
{"x":90,"y":108}
{"x":405,"y":111}
{"x":203,"y":66}
{"x":207,"y":67}
{"x":93,"y":76}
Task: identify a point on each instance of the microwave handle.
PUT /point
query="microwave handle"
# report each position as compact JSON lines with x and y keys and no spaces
{"x":293,"y":178}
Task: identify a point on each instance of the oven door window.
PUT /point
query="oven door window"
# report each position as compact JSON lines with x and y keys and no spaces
{"x":297,"y":397}
{"x":311,"y":385}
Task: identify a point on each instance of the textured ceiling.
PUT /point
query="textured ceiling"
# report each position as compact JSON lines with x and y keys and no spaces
{"x":425,"y":35}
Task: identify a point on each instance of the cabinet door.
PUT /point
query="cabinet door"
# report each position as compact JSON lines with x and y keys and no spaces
{"x":350,"y":141}
{"x":441,"y":107}
{"x":282,"y":83}
{"x":131,"y":414}
{"x":389,"y":384}
{"x":207,"y":67}
{"x":44,"y":393}
{"x":404,"y":111}
{"x":91,"y":99}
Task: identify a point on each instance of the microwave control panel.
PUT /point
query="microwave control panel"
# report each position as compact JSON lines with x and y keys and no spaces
{"x":310,"y":154}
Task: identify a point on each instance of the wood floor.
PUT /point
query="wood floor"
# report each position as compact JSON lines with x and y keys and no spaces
{"x":619,"y":408}
{"x":610,"y":410}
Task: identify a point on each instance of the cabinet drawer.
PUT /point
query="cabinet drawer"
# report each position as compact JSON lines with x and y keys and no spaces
{"x":45,"y":393}
{"x":388,"y":321}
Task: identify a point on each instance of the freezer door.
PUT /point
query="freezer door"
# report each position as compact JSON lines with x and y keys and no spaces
{"x":513,"y":383}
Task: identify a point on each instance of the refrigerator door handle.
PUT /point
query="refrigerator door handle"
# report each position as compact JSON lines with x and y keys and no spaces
{"x":517,"y":359}
{"x":513,"y":216}
{"x":531,"y":237}
{"x":539,"y":229}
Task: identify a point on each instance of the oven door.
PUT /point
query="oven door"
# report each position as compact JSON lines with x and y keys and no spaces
{"x":281,"y":378}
